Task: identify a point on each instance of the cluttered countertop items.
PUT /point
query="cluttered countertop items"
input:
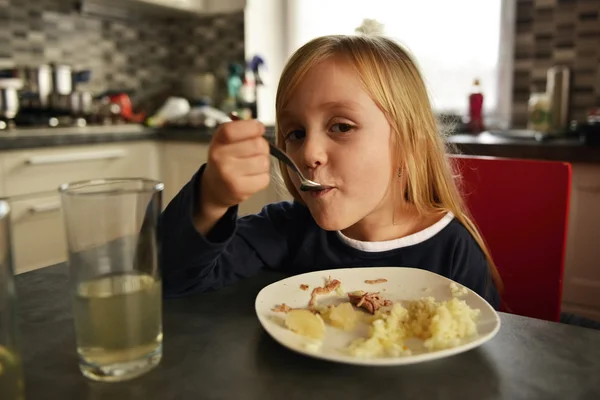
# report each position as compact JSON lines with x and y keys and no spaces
{"x":550,"y":118}
{"x":54,"y":104}
{"x":62,"y":96}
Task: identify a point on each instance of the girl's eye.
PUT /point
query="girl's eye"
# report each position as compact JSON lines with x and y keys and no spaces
{"x":341,"y":128}
{"x":295,"y":135}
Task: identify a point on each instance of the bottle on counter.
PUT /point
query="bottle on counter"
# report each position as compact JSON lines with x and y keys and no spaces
{"x":247,"y":96}
{"x":476,"y":124}
{"x":538,"y":112}
{"x":234,"y":84}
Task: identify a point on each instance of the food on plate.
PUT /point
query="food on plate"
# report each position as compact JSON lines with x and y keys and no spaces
{"x":369,"y":301}
{"x":303,"y":287}
{"x":330,"y":286}
{"x":375,"y":281}
{"x":305,"y":323}
{"x":342,"y":316}
{"x":386,"y":336}
{"x":282,"y":308}
{"x":440,"y":325}
{"x":458,"y":290}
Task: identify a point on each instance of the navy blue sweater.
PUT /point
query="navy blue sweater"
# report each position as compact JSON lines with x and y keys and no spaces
{"x":284,"y":236}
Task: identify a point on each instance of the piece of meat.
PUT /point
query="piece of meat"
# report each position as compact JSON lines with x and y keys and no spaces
{"x":375,"y":281}
{"x":304,"y":287}
{"x":282,"y":308}
{"x":330,"y":286}
{"x":369,"y":301}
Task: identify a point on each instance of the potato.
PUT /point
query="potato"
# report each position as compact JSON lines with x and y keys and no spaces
{"x":305,"y":323}
{"x":343,"y":316}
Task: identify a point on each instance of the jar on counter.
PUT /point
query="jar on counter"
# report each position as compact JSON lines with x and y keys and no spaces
{"x":539,"y":112}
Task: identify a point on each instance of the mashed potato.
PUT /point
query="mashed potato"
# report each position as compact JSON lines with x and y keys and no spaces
{"x":386,"y":338}
{"x":440,"y":325}
{"x":457,"y":290}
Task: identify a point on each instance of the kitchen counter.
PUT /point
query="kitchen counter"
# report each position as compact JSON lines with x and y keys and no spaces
{"x":49,"y":137}
{"x":215,"y":348}
{"x":17,"y":139}
{"x":555,"y":149}
{"x":567,"y":149}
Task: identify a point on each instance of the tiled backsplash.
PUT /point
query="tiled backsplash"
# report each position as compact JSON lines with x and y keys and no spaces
{"x":121,"y":54}
{"x":557,"y":32}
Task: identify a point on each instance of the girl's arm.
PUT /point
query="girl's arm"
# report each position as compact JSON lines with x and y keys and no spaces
{"x":234,"y":248}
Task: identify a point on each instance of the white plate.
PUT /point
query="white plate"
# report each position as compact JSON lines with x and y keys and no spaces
{"x":402,"y":284}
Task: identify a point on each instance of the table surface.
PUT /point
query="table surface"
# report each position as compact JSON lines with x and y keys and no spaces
{"x":215,"y":348}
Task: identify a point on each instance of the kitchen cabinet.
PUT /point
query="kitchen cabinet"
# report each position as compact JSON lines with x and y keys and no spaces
{"x":581,"y":290}
{"x":38,"y":170}
{"x":152,"y":9}
{"x":223,"y":6}
{"x":201,"y":6}
{"x":38,"y":231}
{"x":29,"y":180}
{"x":181,"y":160}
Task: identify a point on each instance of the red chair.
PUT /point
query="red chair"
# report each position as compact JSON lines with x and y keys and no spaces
{"x":521,"y":208}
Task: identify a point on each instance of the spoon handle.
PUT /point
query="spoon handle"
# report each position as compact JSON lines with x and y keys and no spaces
{"x":281,"y":156}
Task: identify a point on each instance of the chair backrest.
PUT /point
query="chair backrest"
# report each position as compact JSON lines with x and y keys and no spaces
{"x":521,"y":208}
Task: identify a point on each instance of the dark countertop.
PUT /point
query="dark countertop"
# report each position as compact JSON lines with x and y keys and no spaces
{"x":215,"y":348}
{"x":554,"y":149}
{"x":571,"y":150}
{"x":51,"y":137}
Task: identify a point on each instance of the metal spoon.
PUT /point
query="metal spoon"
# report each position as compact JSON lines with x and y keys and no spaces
{"x":306,"y":185}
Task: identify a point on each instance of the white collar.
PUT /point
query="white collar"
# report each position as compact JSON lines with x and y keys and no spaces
{"x":410,"y":240}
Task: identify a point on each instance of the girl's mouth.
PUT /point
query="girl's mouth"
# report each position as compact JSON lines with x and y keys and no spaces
{"x":320,"y":193}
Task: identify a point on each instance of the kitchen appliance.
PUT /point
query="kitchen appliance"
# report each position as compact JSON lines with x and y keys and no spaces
{"x":37,"y":85}
{"x":46,"y":95}
{"x":557,"y":90}
{"x":9,"y":97}
{"x":45,"y":86}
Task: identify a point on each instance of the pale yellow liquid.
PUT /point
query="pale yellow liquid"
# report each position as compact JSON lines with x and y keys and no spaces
{"x":11,"y":376}
{"x":118,"y":323}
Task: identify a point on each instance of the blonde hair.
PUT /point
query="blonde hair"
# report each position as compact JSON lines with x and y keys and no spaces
{"x":393,"y":81}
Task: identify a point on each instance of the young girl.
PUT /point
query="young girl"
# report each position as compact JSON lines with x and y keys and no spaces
{"x":353,"y":113}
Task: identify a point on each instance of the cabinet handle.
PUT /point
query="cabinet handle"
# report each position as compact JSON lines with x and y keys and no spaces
{"x":44,"y":208}
{"x":72,"y":157}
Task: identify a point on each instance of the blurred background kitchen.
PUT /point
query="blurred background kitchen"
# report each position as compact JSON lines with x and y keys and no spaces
{"x":495,"y":66}
{"x":98,"y":88}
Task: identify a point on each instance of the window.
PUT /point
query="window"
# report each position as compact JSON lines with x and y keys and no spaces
{"x":453,"y":42}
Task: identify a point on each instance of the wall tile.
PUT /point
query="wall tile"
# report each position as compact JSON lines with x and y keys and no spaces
{"x":123,"y":55}
{"x":557,"y":32}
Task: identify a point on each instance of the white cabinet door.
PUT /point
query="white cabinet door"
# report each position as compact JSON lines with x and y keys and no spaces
{"x":37,"y":170}
{"x":37,"y":232}
{"x":581,"y":291}
{"x":179,"y":162}
{"x":30,"y":178}
{"x":224,"y":6}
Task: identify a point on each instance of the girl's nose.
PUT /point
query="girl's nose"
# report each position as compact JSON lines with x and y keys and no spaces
{"x":314,"y":151}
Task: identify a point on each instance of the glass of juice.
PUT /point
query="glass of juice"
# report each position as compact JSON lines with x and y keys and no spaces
{"x":112,"y":241}
{"x":11,"y":373}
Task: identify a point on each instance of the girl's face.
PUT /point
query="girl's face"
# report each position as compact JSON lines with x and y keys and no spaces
{"x":338,"y":136}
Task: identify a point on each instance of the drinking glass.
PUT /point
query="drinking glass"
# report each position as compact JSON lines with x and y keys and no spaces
{"x":111,"y":229}
{"x":11,"y":373}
